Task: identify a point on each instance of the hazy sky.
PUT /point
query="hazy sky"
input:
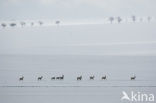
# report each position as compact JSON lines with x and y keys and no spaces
{"x":74,"y":9}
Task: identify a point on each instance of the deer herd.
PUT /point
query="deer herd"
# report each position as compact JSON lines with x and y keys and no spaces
{"x":78,"y":78}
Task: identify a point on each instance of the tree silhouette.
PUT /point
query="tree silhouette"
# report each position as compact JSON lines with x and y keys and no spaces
{"x":111,"y":19}
{"x":141,"y":19}
{"x":3,"y":25}
{"x":12,"y":24}
{"x":149,"y":19}
{"x":119,"y":19}
{"x":22,"y":23}
{"x":57,"y":22}
{"x":32,"y":23}
{"x":40,"y":22}
{"x":133,"y":18}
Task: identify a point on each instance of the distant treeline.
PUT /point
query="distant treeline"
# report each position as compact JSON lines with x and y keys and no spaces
{"x":110,"y":20}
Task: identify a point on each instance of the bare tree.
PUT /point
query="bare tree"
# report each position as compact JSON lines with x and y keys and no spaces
{"x":32,"y":23}
{"x":119,"y":19}
{"x":40,"y":22}
{"x":141,"y":19}
{"x":133,"y":18}
{"x":3,"y":25}
{"x":12,"y":24}
{"x":22,"y":23}
{"x":111,"y":19}
{"x":57,"y":22}
{"x":149,"y":19}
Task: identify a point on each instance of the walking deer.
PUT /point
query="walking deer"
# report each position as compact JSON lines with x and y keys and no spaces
{"x":104,"y":77}
{"x":40,"y":78}
{"x":133,"y":78}
{"x":92,"y":77}
{"x":79,"y":78}
{"x":21,"y":78}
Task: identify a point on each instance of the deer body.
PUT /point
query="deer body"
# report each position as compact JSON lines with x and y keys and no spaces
{"x":133,"y":78}
{"x":21,"y":78}
{"x":104,"y":77}
{"x":79,"y":78}
{"x":92,"y":77}
{"x":40,"y":78}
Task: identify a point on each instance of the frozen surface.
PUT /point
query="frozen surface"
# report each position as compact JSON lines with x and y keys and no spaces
{"x":91,"y":39}
{"x":116,"y":50}
{"x":68,"y":94}
{"x":117,"y":69}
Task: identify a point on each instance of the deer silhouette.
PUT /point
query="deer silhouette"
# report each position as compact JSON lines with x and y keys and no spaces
{"x":92,"y":77}
{"x":133,"y":78}
{"x":104,"y":77}
{"x":57,"y":77}
{"x":60,"y":77}
{"x":40,"y":78}
{"x":21,"y":78}
{"x":52,"y":78}
{"x":79,"y":78}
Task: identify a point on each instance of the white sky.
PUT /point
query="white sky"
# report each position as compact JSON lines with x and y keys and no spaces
{"x":74,"y":9}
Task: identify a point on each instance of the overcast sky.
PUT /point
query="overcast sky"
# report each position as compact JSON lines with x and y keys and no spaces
{"x":74,"y":9}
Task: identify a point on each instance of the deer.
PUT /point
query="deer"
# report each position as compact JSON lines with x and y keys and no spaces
{"x":21,"y":78}
{"x":57,"y":77}
{"x":52,"y":78}
{"x":40,"y":78}
{"x":79,"y":78}
{"x":62,"y":77}
{"x":133,"y":78}
{"x":104,"y":77}
{"x":92,"y":77}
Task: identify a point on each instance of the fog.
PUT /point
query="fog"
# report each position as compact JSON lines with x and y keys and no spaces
{"x":74,"y":9}
{"x":84,"y":43}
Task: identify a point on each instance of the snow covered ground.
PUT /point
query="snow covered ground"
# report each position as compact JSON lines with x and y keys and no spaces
{"x":116,"y":50}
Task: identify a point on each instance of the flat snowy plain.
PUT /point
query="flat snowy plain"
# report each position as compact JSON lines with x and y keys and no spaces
{"x":116,"y":50}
